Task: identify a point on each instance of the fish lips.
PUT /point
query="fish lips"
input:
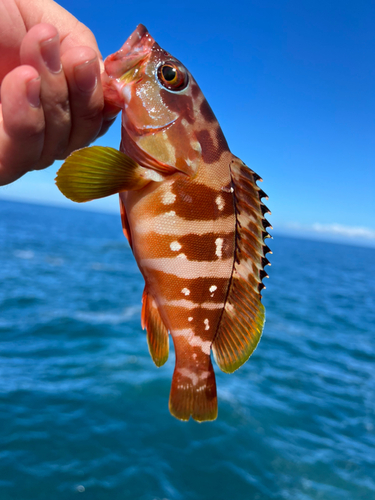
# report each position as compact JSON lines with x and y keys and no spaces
{"x":136,"y":49}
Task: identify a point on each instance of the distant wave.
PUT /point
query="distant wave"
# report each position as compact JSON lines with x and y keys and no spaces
{"x":108,"y":317}
{"x":24,"y":254}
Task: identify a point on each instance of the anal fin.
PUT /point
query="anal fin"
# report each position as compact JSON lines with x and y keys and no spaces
{"x":157,"y":333}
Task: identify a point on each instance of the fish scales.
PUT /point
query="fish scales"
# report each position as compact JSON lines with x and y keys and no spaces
{"x":193,"y":217}
{"x":191,"y":265}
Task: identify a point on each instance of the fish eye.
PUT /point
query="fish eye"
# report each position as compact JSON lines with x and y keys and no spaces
{"x":173,"y":76}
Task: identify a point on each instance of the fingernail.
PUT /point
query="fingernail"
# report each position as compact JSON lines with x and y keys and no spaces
{"x":86,"y":75}
{"x":33,"y":92}
{"x":50,"y":50}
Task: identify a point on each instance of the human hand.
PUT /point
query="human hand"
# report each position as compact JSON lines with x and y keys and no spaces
{"x":51,"y":93}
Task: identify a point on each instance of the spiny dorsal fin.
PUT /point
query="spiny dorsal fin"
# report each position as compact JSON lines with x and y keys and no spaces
{"x":157,"y":333}
{"x":243,"y":317}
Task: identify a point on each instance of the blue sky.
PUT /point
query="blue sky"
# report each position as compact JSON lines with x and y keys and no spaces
{"x":292,"y":85}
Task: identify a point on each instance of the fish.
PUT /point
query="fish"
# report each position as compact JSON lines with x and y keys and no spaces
{"x":192,"y":213}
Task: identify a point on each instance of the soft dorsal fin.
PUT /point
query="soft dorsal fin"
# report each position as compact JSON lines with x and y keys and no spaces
{"x":243,"y":317}
{"x":157,"y":333}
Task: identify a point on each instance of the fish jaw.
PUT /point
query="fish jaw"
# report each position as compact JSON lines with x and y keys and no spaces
{"x":124,"y":66}
{"x":136,"y":48}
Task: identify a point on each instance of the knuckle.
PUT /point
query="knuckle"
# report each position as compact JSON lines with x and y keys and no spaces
{"x":58,"y":109}
{"x":22,"y":131}
{"x":60,"y":149}
{"x":92,"y":112}
{"x":44,"y":162}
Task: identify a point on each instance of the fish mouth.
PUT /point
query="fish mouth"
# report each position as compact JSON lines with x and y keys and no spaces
{"x":146,"y":129}
{"x":124,"y":64}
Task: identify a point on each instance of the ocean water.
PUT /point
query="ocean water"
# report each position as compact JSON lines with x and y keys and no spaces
{"x":84,"y":411}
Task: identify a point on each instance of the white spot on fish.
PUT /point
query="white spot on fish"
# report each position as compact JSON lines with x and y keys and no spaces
{"x":207,"y":323}
{"x":219,"y":247}
{"x":181,"y":256}
{"x":190,"y":318}
{"x":185,"y":291}
{"x":196,"y":146}
{"x":152,"y":175}
{"x":193,"y":340}
{"x":220,"y":202}
{"x":172,"y":213}
{"x":175,"y":246}
{"x":168,"y":198}
{"x":127,"y":93}
{"x":185,"y":372}
{"x":204,"y":345}
{"x":229,"y":307}
{"x":213,"y":288}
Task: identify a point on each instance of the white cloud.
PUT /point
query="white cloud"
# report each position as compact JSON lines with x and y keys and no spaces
{"x":347,"y":231}
{"x":339,"y":233}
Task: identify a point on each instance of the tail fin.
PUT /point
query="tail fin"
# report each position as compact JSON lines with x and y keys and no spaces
{"x":193,"y":393}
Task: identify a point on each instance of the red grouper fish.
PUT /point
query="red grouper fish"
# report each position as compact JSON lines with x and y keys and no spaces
{"x":192,"y":214}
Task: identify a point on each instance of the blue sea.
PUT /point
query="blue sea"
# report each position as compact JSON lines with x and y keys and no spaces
{"x":84,"y":411}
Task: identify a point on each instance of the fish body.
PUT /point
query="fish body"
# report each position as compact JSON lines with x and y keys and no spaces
{"x":193,"y":215}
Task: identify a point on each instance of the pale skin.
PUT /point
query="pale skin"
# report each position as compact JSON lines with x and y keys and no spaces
{"x":51,"y":93}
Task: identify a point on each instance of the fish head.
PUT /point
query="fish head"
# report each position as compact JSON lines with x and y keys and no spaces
{"x":161,"y":105}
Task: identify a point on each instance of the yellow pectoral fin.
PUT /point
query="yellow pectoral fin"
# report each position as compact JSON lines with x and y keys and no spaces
{"x":96,"y":172}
